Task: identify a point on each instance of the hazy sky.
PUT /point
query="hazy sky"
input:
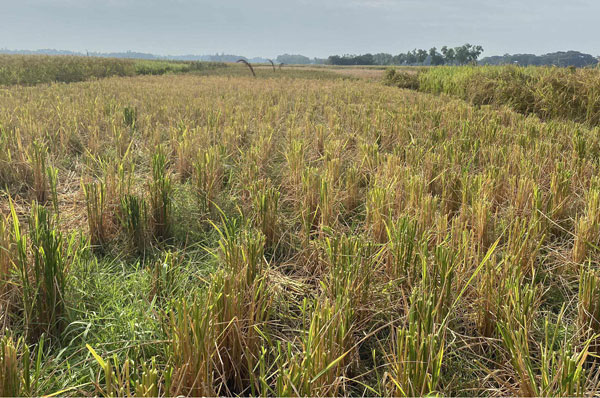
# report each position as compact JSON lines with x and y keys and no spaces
{"x":310,"y":27}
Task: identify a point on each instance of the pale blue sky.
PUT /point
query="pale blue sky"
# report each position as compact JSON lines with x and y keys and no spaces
{"x":311,"y":27}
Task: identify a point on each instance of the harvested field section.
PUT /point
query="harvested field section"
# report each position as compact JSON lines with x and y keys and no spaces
{"x":294,"y":235}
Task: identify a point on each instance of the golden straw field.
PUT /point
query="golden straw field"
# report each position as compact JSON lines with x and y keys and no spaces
{"x":302,"y":233}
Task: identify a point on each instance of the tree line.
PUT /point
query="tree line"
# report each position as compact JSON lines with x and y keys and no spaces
{"x":460,"y":55}
{"x":560,"y":58}
{"x":298,"y":59}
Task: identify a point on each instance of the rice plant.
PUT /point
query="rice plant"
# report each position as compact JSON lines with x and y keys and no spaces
{"x":161,"y":192}
{"x":317,"y":367}
{"x":130,"y":117}
{"x":295,"y":160}
{"x":417,"y":351}
{"x":313,"y":192}
{"x":417,"y":348}
{"x":19,"y":375}
{"x":403,"y":262}
{"x":134,"y":220}
{"x":217,"y":340}
{"x":560,"y":370}
{"x":164,"y":273}
{"x":587,"y":227}
{"x":38,"y":159}
{"x":379,"y":212}
{"x":242,"y":305}
{"x":45,"y":176}
{"x":208,"y":177}
{"x":491,"y":293}
{"x":193,"y":352}
{"x":589,"y":304}
{"x":125,"y":380}
{"x":11,"y":370}
{"x":266,"y":205}
{"x":352,"y":189}
{"x":42,"y":273}
{"x":183,"y":146}
{"x":95,"y":197}
{"x":6,"y":254}
{"x":52,"y":174}
{"x":515,"y":330}
{"x":351,"y":263}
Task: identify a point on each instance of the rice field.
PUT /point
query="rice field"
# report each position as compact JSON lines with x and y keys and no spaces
{"x":37,"y":69}
{"x":548,"y":92}
{"x":302,"y":233}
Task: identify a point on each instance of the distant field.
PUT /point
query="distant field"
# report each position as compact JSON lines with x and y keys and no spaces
{"x":364,"y":72}
{"x":36,"y":69}
{"x":187,"y":229}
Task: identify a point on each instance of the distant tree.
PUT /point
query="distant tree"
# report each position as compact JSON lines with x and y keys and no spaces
{"x":383,"y":59}
{"x":436,"y":57}
{"x":467,"y":53}
{"x":411,"y":57}
{"x":462,"y":54}
{"x":334,"y":60}
{"x":365,"y":59}
{"x":561,"y":58}
{"x":475,"y":52}
{"x":421,"y":56}
{"x":293,"y":59}
{"x":399,"y":59}
{"x":449,"y":55}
